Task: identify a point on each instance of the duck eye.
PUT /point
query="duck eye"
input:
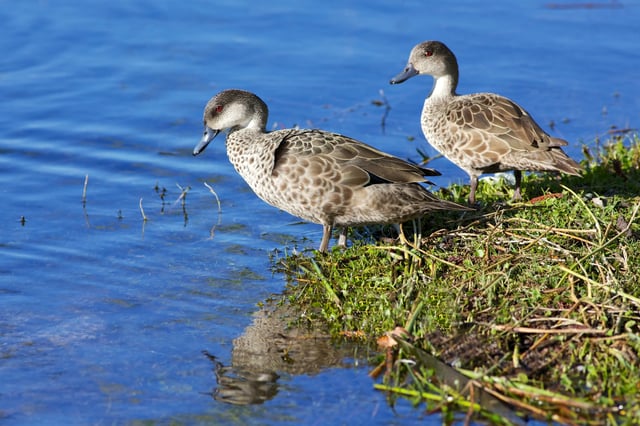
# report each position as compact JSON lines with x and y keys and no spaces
{"x":428,"y":53}
{"x":219,"y":108}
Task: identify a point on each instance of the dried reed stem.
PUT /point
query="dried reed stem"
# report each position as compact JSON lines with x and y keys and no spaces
{"x":215,"y":195}
{"x":183,"y":194}
{"x":144,"y":217}
{"x":84,"y":189}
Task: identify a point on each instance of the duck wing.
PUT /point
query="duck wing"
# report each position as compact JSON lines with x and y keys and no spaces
{"x":358,"y":164}
{"x":490,"y":128}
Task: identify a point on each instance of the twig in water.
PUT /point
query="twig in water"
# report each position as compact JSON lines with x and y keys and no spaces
{"x":213,"y":228}
{"x":215,"y":195}
{"x":144,"y":217}
{"x":84,"y":189}
{"x":183,"y":197}
{"x":387,"y":108}
{"x":183,"y":194}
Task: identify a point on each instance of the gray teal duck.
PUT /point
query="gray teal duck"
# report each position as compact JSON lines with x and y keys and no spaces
{"x":318,"y":176}
{"x":481,"y":132}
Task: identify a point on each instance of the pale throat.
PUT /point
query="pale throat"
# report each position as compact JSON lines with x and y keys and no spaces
{"x":253,"y":125}
{"x":256,"y":122}
{"x":443,"y":86}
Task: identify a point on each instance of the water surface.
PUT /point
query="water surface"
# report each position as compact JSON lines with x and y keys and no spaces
{"x":104,"y":316}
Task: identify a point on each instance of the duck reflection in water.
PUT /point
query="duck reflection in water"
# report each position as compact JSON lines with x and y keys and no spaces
{"x":242,"y":388}
{"x":271,"y":347}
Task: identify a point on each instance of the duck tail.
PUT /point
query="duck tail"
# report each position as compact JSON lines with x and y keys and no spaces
{"x":566,"y":164}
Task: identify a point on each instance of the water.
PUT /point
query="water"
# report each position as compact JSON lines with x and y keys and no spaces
{"x":103,"y":316}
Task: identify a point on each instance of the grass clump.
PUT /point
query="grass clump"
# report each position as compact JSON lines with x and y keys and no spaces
{"x":536,"y":304}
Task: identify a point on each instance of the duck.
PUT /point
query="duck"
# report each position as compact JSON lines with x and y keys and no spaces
{"x":318,"y":176}
{"x":481,"y":132}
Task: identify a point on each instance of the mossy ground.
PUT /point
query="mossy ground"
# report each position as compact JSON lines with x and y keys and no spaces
{"x":536,"y":302}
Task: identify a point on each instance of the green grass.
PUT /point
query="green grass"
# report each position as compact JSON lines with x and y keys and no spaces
{"x":536,"y":303}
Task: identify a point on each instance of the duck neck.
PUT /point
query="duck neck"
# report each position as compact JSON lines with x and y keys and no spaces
{"x":260,"y":116}
{"x":252,"y":115}
{"x":444,"y":86}
{"x":257,"y":123}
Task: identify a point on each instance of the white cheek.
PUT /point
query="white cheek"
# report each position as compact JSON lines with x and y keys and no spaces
{"x":235,"y":115}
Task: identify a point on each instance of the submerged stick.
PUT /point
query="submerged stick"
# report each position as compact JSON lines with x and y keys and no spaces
{"x":144,"y":217}
{"x":213,"y":228}
{"x":84,"y":189}
{"x":387,"y":108}
{"x":215,"y":195}
{"x":183,"y":194}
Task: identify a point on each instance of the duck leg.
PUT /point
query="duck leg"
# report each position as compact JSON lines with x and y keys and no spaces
{"x":326,"y":236}
{"x":517,"y":174}
{"x":342,"y":240}
{"x":472,"y":192}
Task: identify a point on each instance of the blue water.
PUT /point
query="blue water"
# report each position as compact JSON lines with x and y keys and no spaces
{"x":104,"y":316}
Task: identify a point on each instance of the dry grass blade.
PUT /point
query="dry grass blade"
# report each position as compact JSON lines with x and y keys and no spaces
{"x":531,"y":330}
{"x":604,"y":286}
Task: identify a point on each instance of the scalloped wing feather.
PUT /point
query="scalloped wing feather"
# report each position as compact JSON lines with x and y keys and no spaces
{"x":357,"y":162}
{"x":494,"y":133}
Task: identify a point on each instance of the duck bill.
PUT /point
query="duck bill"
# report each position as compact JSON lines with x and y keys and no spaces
{"x":208,"y":136}
{"x":408,"y":72}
